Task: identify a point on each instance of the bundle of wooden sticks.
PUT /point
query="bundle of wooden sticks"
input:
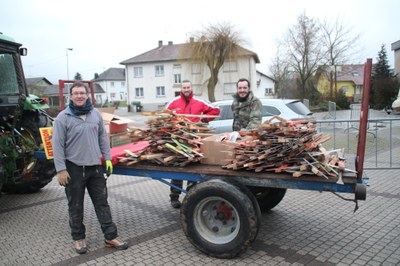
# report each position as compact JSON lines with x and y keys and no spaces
{"x":174,"y":140}
{"x":288,"y":146}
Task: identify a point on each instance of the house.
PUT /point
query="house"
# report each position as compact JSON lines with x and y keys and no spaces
{"x":154,"y":77}
{"x":113,"y":82}
{"x":349,"y":79}
{"x":36,"y":86}
{"x":396,"y":49}
{"x":52,"y":93}
{"x":264,"y":86}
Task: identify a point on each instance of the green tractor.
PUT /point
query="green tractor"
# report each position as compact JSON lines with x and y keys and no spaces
{"x":21,"y":116}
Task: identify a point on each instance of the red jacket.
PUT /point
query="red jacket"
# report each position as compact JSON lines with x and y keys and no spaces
{"x":194,"y":106}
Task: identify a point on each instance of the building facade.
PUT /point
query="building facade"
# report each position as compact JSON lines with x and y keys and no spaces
{"x":153,"y":78}
{"x":112,"y":81}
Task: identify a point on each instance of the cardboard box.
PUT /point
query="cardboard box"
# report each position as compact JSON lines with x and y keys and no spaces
{"x":119,"y":139}
{"x":217,"y":152}
{"x":115,"y":123}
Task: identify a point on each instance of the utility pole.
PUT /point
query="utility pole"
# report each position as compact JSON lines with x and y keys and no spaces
{"x":68,"y":49}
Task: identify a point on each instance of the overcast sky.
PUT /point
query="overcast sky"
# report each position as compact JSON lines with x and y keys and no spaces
{"x":104,"y":33}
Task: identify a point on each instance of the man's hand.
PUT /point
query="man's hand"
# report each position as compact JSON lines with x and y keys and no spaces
{"x":109,"y":167}
{"x":63,"y":177}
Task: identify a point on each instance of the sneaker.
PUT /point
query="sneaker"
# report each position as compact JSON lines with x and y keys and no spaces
{"x":175,"y":203}
{"x":117,"y":243}
{"x":80,"y":246}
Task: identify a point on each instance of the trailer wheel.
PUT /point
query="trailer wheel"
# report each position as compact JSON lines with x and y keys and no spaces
{"x":219,"y":219}
{"x":246,"y":191}
{"x":268,"y":198}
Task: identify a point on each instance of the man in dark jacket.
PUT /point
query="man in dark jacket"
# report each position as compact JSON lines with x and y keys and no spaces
{"x":187,"y":103}
{"x":246,"y":108}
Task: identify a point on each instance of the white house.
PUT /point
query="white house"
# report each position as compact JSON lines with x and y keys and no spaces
{"x":154,"y":77}
{"x":264,"y":86}
{"x":113,"y":83}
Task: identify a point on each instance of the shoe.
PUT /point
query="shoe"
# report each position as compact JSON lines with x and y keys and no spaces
{"x":117,"y":243}
{"x":175,"y":203}
{"x":80,"y":246}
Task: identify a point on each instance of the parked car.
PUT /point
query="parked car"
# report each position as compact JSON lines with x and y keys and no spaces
{"x":287,"y":109}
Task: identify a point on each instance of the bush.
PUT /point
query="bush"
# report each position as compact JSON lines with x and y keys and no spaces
{"x":342,"y":102}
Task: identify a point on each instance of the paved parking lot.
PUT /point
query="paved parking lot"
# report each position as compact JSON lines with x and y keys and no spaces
{"x":306,"y":228}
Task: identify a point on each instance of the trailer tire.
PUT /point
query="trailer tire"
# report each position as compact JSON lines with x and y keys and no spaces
{"x":219,"y":219}
{"x":246,"y":191}
{"x":268,"y":198}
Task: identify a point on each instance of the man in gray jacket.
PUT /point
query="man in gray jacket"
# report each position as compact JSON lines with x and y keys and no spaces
{"x":79,"y":140}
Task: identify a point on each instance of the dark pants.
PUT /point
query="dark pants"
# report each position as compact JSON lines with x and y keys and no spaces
{"x":92,"y":178}
{"x":174,"y":195}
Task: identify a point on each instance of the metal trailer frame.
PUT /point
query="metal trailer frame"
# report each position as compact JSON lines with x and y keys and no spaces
{"x":199,"y":173}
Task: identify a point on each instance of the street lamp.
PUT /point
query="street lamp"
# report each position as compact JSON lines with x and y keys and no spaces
{"x":68,"y":49}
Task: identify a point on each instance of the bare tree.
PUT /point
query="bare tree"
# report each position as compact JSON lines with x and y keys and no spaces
{"x":339,"y":43}
{"x":213,"y":46}
{"x":279,"y":69}
{"x":304,"y":52}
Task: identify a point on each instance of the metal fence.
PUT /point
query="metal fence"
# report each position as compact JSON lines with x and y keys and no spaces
{"x":332,"y":110}
{"x":381,"y":146}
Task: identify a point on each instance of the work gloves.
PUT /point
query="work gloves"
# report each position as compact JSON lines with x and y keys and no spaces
{"x":63,"y":177}
{"x":109,"y":167}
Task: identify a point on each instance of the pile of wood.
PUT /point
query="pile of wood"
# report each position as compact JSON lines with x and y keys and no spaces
{"x":174,"y":140}
{"x":287,"y":146}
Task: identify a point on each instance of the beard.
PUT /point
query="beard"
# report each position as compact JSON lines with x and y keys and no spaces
{"x":243,"y":99}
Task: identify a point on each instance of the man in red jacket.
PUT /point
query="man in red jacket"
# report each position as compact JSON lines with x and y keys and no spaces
{"x":187,"y":103}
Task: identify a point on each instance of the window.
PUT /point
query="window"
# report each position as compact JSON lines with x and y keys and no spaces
{"x":344,"y":89}
{"x":160,"y":91}
{"x":229,"y":88}
{"x":177,"y":66}
{"x":9,"y":82}
{"x":269,"y":110}
{"x":139,"y":92}
{"x":226,"y":112}
{"x":356,"y":74}
{"x":196,"y":69}
{"x":268,"y":91}
{"x":159,"y":70}
{"x":138,"y":72}
{"x":112,"y":83}
{"x":177,"y":78}
{"x":112,"y":95}
{"x":122,"y":83}
{"x":230,"y":66}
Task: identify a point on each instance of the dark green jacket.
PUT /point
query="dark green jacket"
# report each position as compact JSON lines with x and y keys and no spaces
{"x":246,"y":115}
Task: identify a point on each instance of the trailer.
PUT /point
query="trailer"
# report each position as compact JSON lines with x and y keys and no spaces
{"x":221,"y":214}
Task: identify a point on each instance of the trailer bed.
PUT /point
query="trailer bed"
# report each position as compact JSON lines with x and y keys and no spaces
{"x":199,"y":172}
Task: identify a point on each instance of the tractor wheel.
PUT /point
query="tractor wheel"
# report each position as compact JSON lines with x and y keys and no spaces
{"x":35,"y":173}
{"x":219,"y":219}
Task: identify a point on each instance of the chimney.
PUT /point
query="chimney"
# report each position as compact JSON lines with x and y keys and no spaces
{"x":160,"y":43}
{"x":169,"y":42}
